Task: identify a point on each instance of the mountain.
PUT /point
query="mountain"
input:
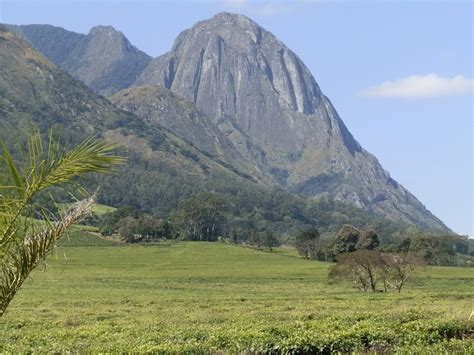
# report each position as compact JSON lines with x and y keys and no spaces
{"x":255,"y":87}
{"x":266,"y":115}
{"x":103,"y":59}
{"x":163,"y":168}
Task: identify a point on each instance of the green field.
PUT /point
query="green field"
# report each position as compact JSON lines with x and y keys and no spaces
{"x":211,"y":297}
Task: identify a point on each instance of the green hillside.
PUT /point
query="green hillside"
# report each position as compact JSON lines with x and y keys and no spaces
{"x":210,"y":297}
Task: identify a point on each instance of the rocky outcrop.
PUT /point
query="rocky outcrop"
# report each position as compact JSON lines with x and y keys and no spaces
{"x":158,"y":105}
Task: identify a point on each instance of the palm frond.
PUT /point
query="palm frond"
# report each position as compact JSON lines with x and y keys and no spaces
{"x":28,"y":232}
{"x":46,"y":168}
{"x":57,"y":167}
{"x":23,"y":257}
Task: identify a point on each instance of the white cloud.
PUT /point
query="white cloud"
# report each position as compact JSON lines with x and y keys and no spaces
{"x":263,"y":7}
{"x":431,"y":85}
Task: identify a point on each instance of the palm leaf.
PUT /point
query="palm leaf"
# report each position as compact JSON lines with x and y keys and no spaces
{"x":23,"y":257}
{"x":22,"y":242}
{"x":11,"y":166}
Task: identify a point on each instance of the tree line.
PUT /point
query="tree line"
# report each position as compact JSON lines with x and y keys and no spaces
{"x":213,"y":217}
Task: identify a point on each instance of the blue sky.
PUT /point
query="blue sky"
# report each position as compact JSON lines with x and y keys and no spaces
{"x":398,"y":72}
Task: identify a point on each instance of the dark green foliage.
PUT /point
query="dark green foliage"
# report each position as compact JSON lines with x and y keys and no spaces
{"x":233,"y":236}
{"x":108,"y":221}
{"x":368,"y":240}
{"x":450,"y":250}
{"x":200,"y":217}
{"x":439,"y":250}
{"x":143,"y":228}
{"x":255,"y":239}
{"x":346,"y":240}
{"x":134,"y":226}
{"x":350,"y":239}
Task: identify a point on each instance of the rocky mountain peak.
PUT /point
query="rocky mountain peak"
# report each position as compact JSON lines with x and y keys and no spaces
{"x":101,"y":29}
{"x":237,"y":22}
{"x":255,"y":87}
{"x":231,"y":51}
{"x":109,"y":43}
{"x":109,"y":39}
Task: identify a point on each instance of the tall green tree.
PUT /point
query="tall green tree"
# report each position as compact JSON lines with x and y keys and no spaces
{"x":346,"y":239}
{"x":28,"y":231}
{"x":368,"y":240}
{"x":200,"y":217}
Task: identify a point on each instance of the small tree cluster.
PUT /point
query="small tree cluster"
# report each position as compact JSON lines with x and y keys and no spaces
{"x":350,"y":239}
{"x":143,"y":228}
{"x":308,"y":243}
{"x":266,"y":240}
{"x":200,"y":217}
{"x":369,"y":268}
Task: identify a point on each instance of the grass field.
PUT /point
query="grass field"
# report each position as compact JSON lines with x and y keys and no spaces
{"x":211,"y":297}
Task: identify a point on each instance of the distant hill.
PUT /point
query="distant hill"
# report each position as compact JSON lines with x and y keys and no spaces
{"x":103,"y":59}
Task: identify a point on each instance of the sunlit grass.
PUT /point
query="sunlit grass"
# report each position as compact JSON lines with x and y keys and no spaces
{"x":210,"y":296}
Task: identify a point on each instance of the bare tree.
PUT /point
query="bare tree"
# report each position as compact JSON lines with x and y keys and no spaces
{"x":308,"y":243}
{"x":367,"y":268}
{"x":397,"y":269}
{"x":361,"y":266}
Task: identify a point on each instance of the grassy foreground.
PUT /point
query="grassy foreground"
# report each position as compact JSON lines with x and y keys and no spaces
{"x":210,"y":297}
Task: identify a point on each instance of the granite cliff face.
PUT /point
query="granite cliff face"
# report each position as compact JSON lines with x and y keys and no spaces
{"x":261,"y":94}
{"x":158,"y":105}
{"x":103,"y":59}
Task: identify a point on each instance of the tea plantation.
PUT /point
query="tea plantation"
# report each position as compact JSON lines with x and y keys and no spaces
{"x":212,"y":297}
